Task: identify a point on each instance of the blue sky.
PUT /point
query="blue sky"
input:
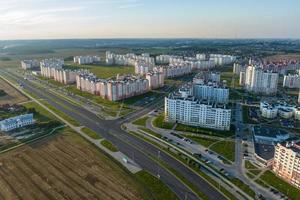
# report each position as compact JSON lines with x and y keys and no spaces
{"x":37,"y":19}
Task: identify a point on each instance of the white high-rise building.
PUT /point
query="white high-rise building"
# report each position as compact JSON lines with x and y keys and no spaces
{"x":259,"y":81}
{"x":211,"y":92}
{"x":190,"y":111}
{"x":82,"y":60}
{"x":52,"y":63}
{"x":29,"y":64}
{"x":291,"y":81}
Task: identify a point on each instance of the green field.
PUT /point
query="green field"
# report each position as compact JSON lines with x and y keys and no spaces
{"x":202,"y":141}
{"x":103,"y":71}
{"x":225,"y":149}
{"x":160,"y":122}
{"x":205,"y":131}
{"x":243,"y":187}
{"x":109,"y":145}
{"x":141,"y":121}
{"x":40,"y":113}
{"x":155,"y":186}
{"x":280,"y":185}
{"x":91,"y":133}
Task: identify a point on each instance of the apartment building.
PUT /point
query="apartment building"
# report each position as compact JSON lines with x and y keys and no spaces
{"x":29,"y":64}
{"x":260,"y":81}
{"x":142,"y":68}
{"x":129,"y":59}
{"x":16,"y":122}
{"x":201,"y":56}
{"x":113,"y":90}
{"x":220,"y":59}
{"x":190,"y":111}
{"x":82,"y":60}
{"x":286,"y":162}
{"x":52,"y":63}
{"x":207,"y":76}
{"x":291,"y":81}
{"x":173,"y":70}
{"x":155,"y":79}
{"x":211,"y":92}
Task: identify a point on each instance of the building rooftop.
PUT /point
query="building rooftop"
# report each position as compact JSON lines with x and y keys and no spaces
{"x":268,"y":131}
{"x":264,"y":151}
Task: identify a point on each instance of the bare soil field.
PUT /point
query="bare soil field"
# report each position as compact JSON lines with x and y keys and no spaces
{"x":64,"y":167}
{"x":13,"y":96}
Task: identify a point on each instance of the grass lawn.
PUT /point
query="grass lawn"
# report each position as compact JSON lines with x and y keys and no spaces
{"x":157,"y":188}
{"x":151,"y":132}
{"x":246,"y":114}
{"x":109,"y":145}
{"x":251,"y":176}
{"x":61,"y":114}
{"x":102,"y":71}
{"x":255,"y":171}
{"x":280,"y":185}
{"x":206,"y":131}
{"x":260,"y":182}
{"x":41,"y":113}
{"x":249,"y":165}
{"x":91,"y":133}
{"x":243,"y":187}
{"x":225,"y":149}
{"x":160,"y":122}
{"x":203,"y":141}
{"x":141,"y":121}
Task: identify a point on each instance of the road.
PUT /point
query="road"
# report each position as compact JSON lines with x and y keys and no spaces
{"x":133,"y":147}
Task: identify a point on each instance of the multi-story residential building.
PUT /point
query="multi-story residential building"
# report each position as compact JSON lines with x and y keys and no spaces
{"x":242,"y":78}
{"x":190,"y":111}
{"x":286,"y":162}
{"x":29,"y":64}
{"x":113,"y":90}
{"x":259,"y":81}
{"x":162,"y":59}
{"x":129,"y":59}
{"x":207,"y":76}
{"x":220,"y":59}
{"x":16,"y":122}
{"x":174,"y":70}
{"x":201,"y":56}
{"x":211,"y":92}
{"x":268,"y":110}
{"x":297,"y":113}
{"x":82,"y":60}
{"x":238,"y":68}
{"x":291,"y":81}
{"x":280,"y":109}
{"x":52,"y":63}
{"x":155,"y":79}
{"x":142,"y":68}
{"x":65,"y":76}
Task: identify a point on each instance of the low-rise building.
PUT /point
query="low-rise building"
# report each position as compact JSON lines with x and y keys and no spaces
{"x":268,"y":110}
{"x":287,"y":162}
{"x":16,"y":122}
{"x":264,"y":140}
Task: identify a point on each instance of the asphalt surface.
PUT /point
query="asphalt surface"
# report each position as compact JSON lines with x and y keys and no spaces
{"x":133,"y":147}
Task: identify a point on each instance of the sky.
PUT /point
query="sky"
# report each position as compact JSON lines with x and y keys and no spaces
{"x":58,"y":19}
